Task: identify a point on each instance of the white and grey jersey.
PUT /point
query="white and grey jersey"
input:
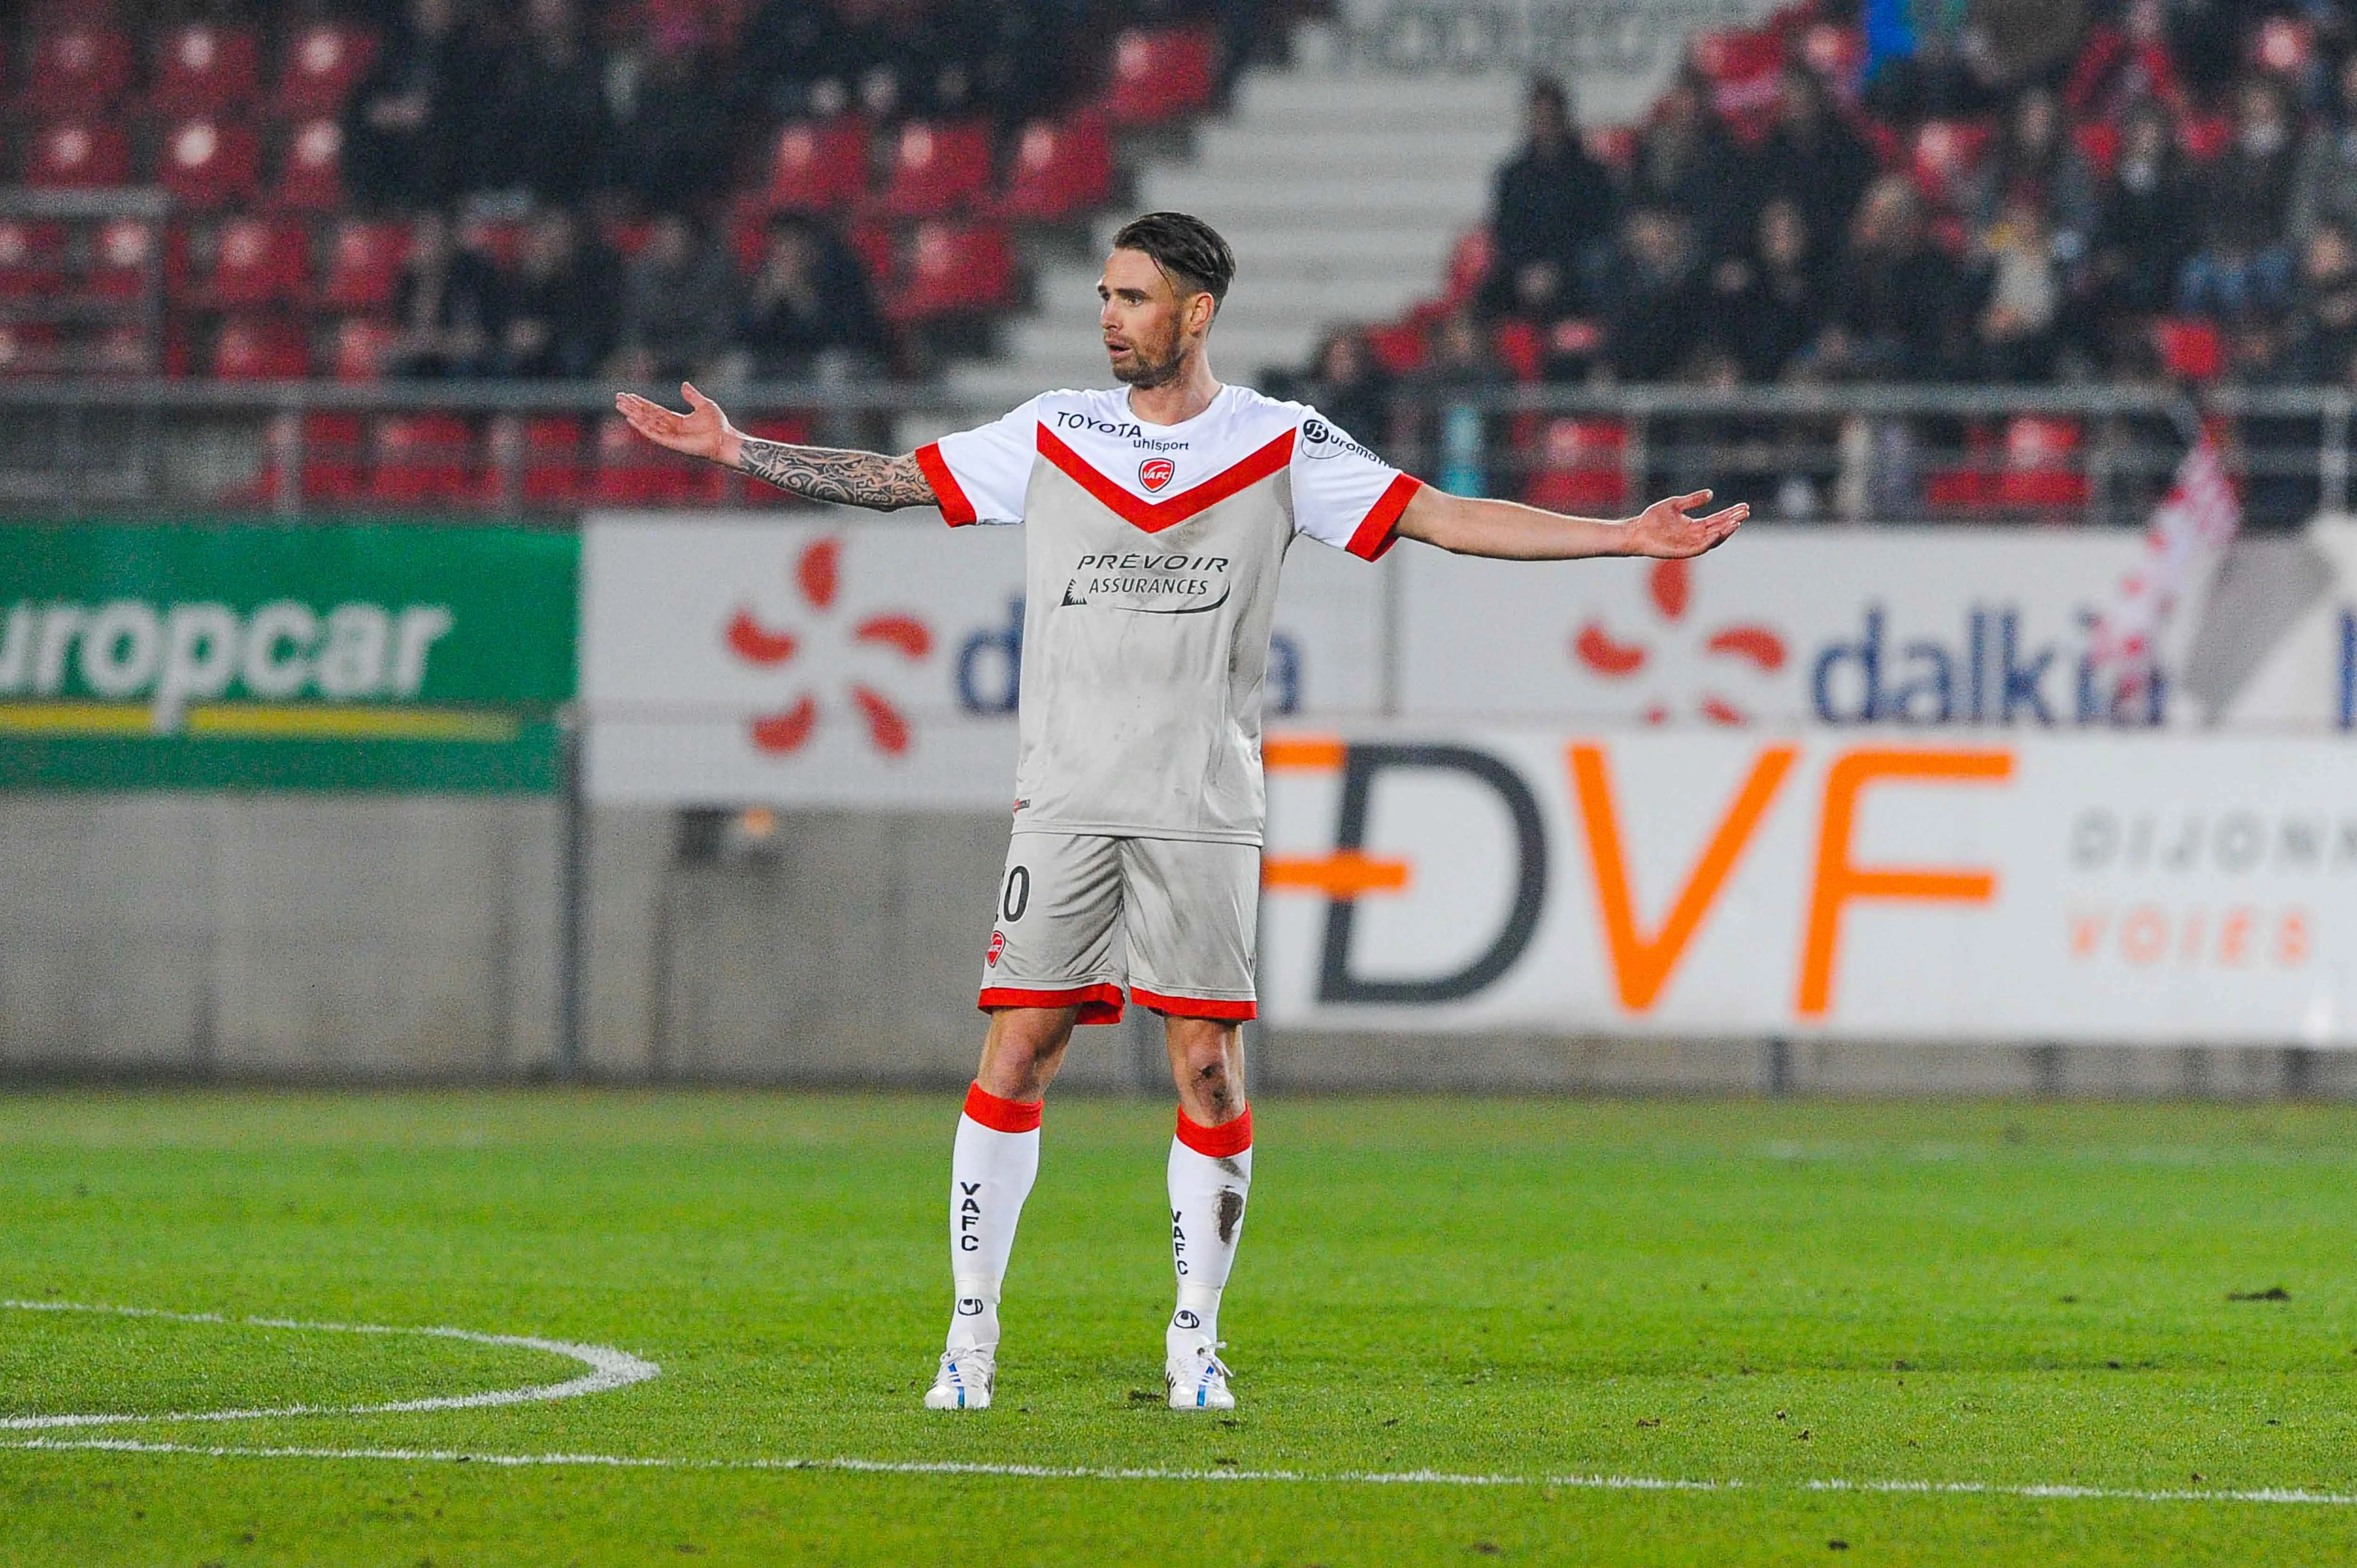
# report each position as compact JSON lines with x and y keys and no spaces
{"x":1151,"y":574}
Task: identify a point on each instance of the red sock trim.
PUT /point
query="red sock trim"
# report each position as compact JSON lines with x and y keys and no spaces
{"x":1220,"y":1141}
{"x":1001,"y":1115}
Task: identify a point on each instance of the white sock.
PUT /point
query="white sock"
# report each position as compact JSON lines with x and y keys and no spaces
{"x":991,"y":1170}
{"x":1210,"y":1175}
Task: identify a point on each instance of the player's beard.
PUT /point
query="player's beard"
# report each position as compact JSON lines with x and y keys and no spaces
{"x":1147,"y":372}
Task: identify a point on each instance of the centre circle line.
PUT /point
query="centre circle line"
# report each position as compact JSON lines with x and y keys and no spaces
{"x":608,"y":1370}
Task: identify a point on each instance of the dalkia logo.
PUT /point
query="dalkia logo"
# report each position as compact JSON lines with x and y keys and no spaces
{"x":1155,"y":473}
{"x":1670,"y":589}
{"x":816,"y":578}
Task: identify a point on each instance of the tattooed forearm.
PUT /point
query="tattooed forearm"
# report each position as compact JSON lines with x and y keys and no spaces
{"x":831,"y":474}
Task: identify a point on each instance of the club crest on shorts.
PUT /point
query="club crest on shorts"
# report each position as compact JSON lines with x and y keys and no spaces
{"x":1155,"y":473}
{"x":997,"y":946}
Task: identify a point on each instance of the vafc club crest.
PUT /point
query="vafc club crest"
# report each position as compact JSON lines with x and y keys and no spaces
{"x":997,"y":946}
{"x":1156,"y":474}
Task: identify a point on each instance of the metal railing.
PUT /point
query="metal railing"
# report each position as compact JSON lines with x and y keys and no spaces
{"x":2099,"y":456}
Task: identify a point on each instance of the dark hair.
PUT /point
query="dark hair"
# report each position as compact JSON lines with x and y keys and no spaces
{"x":1189,"y":251}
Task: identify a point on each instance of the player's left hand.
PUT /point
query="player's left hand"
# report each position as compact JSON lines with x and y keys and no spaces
{"x":1666,"y":532}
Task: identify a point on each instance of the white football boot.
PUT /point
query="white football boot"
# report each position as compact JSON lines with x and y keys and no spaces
{"x":964,"y":1382}
{"x":1198,"y":1379}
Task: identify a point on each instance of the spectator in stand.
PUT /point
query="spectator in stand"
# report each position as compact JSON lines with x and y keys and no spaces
{"x":660,"y":99}
{"x":1811,"y":159}
{"x":1552,"y":217}
{"x":1896,"y":302}
{"x":794,"y":60}
{"x":1781,"y":306}
{"x":810,"y":312}
{"x":443,"y":304}
{"x":679,"y":303}
{"x":2242,"y":263}
{"x":555,"y":318}
{"x":1686,"y":166}
{"x":2324,"y":191}
{"x":2037,"y":164}
{"x":2124,"y":64}
{"x":1352,"y":389}
{"x":412,"y":110}
{"x":542,"y":133}
{"x":1664,"y":311}
{"x":2323,"y":331}
{"x":2147,"y":219}
{"x":2015,"y":332}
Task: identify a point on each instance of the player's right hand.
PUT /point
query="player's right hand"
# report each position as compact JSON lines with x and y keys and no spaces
{"x":702,"y":432}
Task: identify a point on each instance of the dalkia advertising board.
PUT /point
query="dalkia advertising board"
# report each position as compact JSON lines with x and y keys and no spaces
{"x":232,"y":657}
{"x":2098,"y":887}
{"x":814,"y":663}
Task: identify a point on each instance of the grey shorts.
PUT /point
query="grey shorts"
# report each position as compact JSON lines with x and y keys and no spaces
{"x":1185,"y":912}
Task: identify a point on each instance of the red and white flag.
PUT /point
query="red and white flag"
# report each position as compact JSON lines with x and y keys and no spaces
{"x":2184,"y":544}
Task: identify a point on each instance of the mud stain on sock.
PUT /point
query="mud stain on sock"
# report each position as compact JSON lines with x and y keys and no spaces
{"x":1231,"y":1213}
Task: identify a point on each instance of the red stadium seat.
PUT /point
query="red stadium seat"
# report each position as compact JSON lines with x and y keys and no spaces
{"x":2202,"y":137}
{"x":126,"y":257}
{"x":259,"y":261}
{"x":2041,"y":465}
{"x":955,"y":269}
{"x":208,"y":163}
{"x":1160,"y":75}
{"x":262,"y":349}
{"x":2099,"y":143}
{"x":364,"y":264}
{"x":1519,"y":348}
{"x":2191,"y":348}
{"x":326,"y":447}
{"x":201,"y":69}
{"x":32,"y":258}
{"x":938,"y":168}
{"x":359,"y":348}
{"x":818,"y":165}
{"x":311,"y":173}
{"x":28,"y":350}
{"x":422,"y":458}
{"x":1945,"y":153}
{"x":499,"y":240}
{"x":1060,"y":168}
{"x":636,"y":473}
{"x":550,"y":452}
{"x":1469,"y":263}
{"x":76,"y":70}
{"x":55,"y":15}
{"x":76,"y":154}
{"x":1579,"y":467}
{"x":1614,"y":146}
{"x":119,"y":350}
{"x":322,"y":64}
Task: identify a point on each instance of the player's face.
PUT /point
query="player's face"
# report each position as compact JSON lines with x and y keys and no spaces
{"x":1144,"y":320}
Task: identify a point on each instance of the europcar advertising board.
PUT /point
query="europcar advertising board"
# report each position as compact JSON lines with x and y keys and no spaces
{"x":2027,"y":887}
{"x":875,"y":663}
{"x":405,"y":658}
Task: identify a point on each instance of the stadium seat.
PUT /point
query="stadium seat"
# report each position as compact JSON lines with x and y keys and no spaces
{"x":955,"y":269}
{"x":76,"y":154}
{"x":2099,"y":142}
{"x":322,"y":64}
{"x":125,"y":259}
{"x":2202,"y":137}
{"x":324,"y":448}
{"x":359,"y":347}
{"x":499,"y":240}
{"x":2041,"y":465}
{"x":311,"y":171}
{"x":2191,"y":348}
{"x":78,"y":71}
{"x":1061,"y":168}
{"x":257,"y":261}
{"x":818,"y":165}
{"x":421,"y":459}
{"x":1519,"y":348}
{"x":1470,"y":262}
{"x":260,"y":348}
{"x":28,"y":349}
{"x":364,"y":264}
{"x":1742,"y":66}
{"x":201,"y":69}
{"x":32,"y":258}
{"x":550,"y":452}
{"x":123,"y":350}
{"x":636,"y":473}
{"x":1579,"y":467}
{"x":208,"y":164}
{"x":1945,"y":153}
{"x":1614,"y":146}
{"x":1159,"y":74}
{"x":938,"y":168}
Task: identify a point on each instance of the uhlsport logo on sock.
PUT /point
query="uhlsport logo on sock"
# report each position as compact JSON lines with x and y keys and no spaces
{"x":1186,"y":1319}
{"x":970,"y":1306}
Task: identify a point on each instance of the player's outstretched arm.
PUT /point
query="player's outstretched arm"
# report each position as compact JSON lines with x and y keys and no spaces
{"x":818,"y":473}
{"x":1510,"y":532}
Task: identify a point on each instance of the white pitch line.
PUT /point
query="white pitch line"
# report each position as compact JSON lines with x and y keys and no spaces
{"x":608,"y":1370}
{"x":1097,"y":1473}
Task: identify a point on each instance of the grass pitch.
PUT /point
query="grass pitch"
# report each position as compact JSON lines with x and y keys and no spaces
{"x":1789,"y":1301}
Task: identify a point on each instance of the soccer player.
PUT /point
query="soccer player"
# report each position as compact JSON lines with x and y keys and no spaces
{"x":1159,"y":515}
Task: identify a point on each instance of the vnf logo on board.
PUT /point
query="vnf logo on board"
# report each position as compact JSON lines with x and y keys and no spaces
{"x":1683,"y":884}
{"x":178,"y":666}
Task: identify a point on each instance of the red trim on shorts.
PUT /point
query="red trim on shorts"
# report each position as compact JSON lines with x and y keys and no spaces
{"x":1098,"y":1004}
{"x":1374,"y":533}
{"x":1194,"y":1006}
{"x":1156,"y":516}
{"x":956,"y":511}
{"x":1222,"y":1142}
{"x":1000,"y":1115}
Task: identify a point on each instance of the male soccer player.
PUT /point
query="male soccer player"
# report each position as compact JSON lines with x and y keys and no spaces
{"x":1160,"y":513}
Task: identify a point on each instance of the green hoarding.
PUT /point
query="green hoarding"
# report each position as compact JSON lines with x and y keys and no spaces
{"x":223,"y":657}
